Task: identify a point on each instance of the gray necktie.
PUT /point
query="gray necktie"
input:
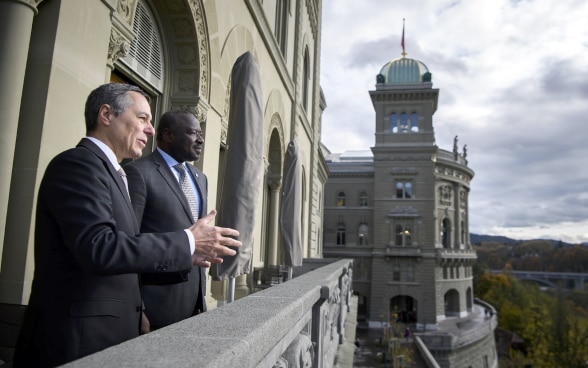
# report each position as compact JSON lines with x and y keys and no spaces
{"x":188,"y":191}
{"x":123,"y":176}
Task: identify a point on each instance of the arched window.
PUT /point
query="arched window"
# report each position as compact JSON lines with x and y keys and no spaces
{"x":363,"y":199}
{"x":403,"y":128}
{"x":414,"y":122}
{"x":341,"y":199}
{"x":341,"y":233}
{"x":305,"y":80}
{"x":404,"y":189}
{"x":145,"y":56}
{"x":282,"y":16}
{"x":393,"y":123}
{"x":362,"y":234}
{"x":446,"y":233}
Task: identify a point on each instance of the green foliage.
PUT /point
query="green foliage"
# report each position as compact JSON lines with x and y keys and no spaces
{"x":554,"y":328}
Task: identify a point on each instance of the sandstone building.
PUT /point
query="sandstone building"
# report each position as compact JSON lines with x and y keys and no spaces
{"x":54,"y":52}
{"x":401,"y":212}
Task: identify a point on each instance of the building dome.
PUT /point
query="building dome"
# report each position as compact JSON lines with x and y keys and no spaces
{"x":404,"y":71}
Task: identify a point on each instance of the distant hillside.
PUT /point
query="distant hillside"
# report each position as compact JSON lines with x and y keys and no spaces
{"x":478,"y":239}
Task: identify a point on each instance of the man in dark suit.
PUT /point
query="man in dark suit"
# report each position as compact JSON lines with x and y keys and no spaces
{"x":161,"y":205}
{"x":85,"y":294}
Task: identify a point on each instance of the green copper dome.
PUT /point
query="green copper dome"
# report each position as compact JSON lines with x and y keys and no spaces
{"x":404,"y":71}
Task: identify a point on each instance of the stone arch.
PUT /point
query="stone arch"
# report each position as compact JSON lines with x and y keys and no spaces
{"x":238,"y":41}
{"x":271,"y":194}
{"x":451,"y":298}
{"x":404,"y":308}
{"x":186,"y":52}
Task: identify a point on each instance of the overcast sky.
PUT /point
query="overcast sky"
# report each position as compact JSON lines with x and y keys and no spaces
{"x":513,"y":81}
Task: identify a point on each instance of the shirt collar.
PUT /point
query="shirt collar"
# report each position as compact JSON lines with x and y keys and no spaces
{"x":170,"y":161}
{"x":107,"y":151}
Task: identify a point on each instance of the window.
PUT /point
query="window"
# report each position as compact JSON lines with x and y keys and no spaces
{"x":362,"y":234}
{"x":404,"y":189}
{"x":446,"y":233}
{"x":393,"y":123}
{"x":145,"y":56}
{"x":282,"y":13}
{"x":396,"y":273}
{"x":409,"y":271}
{"x":363,"y":199}
{"x":414,"y":122}
{"x":403,"y":127}
{"x":403,"y":123}
{"x":340,"y":233}
{"x":403,"y":235}
{"x":341,"y":199}
{"x":305,"y":80}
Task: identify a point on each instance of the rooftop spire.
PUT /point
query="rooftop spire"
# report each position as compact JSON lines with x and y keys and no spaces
{"x":402,"y":40}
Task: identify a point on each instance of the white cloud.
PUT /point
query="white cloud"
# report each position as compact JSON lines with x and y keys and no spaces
{"x":513,"y":86}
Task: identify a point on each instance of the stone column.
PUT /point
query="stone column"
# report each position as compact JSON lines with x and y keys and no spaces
{"x":275,"y":184}
{"x":16,"y":23}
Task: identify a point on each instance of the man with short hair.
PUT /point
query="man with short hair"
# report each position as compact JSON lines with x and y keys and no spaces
{"x":85,"y":294}
{"x":161,"y":205}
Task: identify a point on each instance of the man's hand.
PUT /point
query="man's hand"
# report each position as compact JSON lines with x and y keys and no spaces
{"x":145,"y":325}
{"x":212,"y":242}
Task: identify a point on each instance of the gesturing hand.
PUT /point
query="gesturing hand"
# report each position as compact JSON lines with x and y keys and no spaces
{"x":212,"y":242}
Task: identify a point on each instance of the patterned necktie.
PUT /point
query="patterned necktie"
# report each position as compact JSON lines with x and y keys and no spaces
{"x":188,"y":191}
{"x":123,"y":176}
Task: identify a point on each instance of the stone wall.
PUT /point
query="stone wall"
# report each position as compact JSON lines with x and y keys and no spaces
{"x":298,"y":323}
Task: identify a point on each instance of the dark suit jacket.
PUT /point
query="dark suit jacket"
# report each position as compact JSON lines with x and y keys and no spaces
{"x":85,"y":294}
{"x":160,"y":205}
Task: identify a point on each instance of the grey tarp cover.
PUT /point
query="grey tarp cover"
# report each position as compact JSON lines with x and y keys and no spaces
{"x":242,"y":182}
{"x":290,"y":215}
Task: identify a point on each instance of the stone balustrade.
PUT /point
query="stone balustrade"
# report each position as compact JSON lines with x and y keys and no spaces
{"x":298,"y":323}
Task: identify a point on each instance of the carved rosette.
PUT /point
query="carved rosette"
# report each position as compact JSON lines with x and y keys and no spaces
{"x":126,"y":9}
{"x":118,"y":47}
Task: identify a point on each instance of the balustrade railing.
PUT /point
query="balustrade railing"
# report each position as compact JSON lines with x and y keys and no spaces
{"x":292,"y":324}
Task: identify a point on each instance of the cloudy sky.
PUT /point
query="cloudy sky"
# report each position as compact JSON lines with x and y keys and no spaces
{"x":513,"y":80}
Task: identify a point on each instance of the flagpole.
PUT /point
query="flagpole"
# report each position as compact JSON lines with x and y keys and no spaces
{"x":402,"y":40}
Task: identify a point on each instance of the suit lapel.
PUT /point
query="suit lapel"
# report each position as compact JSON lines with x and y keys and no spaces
{"x":168,"y":176}
{"x":115,"y":176}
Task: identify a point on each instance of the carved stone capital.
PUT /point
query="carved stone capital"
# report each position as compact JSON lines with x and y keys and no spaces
{"x":118,"y":47}
{"x":30,"y":3}
{"x":274,"y":182}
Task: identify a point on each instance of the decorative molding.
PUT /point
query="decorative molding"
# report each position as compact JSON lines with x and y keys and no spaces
{"x":126,"y":9}
{"x":403,"y":170}
{"x":203,"y":48}
{"x":187,"y":53}
{"x":416,"y":157}
{"x":118,"y":47}
{"x":187,"y":82}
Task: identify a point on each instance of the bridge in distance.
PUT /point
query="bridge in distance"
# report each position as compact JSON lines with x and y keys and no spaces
{"x":562,"y":280}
